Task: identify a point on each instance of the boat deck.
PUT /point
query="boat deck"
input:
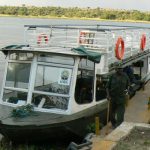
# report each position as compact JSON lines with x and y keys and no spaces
{"x":136,"y":112}
{"x":36,"y":118}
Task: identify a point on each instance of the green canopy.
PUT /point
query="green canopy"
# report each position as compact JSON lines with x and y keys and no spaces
{"x":93,"y":56}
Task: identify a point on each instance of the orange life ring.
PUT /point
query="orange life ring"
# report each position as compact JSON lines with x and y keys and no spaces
{"x":42,"y":36}
{"x":82,"y":36}
{"x":143,"y":42}
{"x":119,"y":51}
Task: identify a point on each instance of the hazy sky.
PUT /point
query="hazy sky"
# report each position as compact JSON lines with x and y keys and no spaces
{"x":143,"y":5}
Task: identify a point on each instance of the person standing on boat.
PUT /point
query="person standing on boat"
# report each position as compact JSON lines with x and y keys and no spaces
{"x":130,"y":72}
{"x":117,"y":88}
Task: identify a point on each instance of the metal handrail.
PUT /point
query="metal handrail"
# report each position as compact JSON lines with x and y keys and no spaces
{"x":99,"y":38}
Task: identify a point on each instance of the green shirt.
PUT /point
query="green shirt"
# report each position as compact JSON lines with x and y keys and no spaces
{"x":117,"y":85}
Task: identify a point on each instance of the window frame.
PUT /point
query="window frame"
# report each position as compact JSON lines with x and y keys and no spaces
{"x":49,"y":93}
{"x":4,"y":87}
{"x":30,"y":90}
{"x":93,"y":82}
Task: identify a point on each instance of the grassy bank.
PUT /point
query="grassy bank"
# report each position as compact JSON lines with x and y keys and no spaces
{"x":75,"y":18}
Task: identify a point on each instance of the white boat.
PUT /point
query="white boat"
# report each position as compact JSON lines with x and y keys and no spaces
{"x":60,"y":72}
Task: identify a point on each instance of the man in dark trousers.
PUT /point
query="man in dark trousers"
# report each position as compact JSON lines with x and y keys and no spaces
{"x":117,"y":88}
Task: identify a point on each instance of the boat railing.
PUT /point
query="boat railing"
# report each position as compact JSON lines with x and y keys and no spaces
{"x":95,"y":38}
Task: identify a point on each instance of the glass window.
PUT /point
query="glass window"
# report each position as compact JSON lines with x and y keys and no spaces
{"x":48,"y":102}
{"x":56,"y":59}
{"x":53,"y":79}
{"x":85,"y":82}
{"x":21,"y":56}
{"x":18,"y":75}
{"x":15,"y":97}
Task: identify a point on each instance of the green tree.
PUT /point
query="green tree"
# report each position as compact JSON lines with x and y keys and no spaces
{"x":75,"y":12}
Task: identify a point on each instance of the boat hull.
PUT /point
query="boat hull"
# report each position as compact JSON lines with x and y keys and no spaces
{"x":60,"y":127}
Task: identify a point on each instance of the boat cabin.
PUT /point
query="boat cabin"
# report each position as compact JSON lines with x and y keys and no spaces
{"x":64,"y":69}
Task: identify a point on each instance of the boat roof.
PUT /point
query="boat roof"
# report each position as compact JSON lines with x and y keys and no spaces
{"x":79,"y":51}
{"x":94,"y":27}
{"x":27,"y":48}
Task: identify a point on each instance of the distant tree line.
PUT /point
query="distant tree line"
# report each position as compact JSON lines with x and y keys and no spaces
{"x":75,"y":12}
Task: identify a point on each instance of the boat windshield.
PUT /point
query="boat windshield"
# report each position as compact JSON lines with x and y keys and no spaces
{"x":50,"y":81}
{"x":18,"y":75}
{"x":17,"y":78}
{"x":55,"y":83}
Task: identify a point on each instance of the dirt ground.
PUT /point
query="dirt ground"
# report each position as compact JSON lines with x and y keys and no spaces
{"x":138,"y":139}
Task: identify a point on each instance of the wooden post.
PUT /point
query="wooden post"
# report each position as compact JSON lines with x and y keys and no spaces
{"x":97,"y":125}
